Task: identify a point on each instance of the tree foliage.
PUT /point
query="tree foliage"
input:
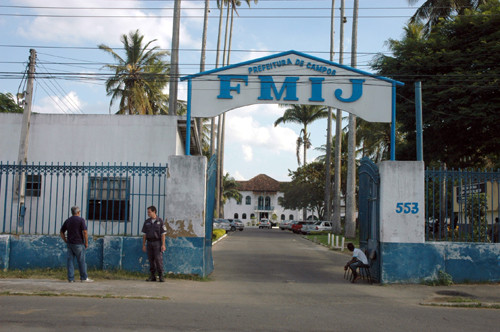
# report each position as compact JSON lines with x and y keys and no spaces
{"x":8,"y":104}
{"x":458,"y":66}
{"x":304,"y":115}
{"x":306,"y":190}
{"x":139,"y":77}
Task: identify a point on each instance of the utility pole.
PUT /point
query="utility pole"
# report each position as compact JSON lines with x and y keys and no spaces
{"x":350,"y":219}
{"x":328,"y":177}
{"x":22,"y":157}
{"x":338,"y":137}
{"x":174,"y":60}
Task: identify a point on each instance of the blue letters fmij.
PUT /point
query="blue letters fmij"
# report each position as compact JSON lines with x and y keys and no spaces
{"x":225,"y":85}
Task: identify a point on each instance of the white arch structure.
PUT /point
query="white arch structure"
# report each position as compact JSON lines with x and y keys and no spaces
{"x":292,"y":78}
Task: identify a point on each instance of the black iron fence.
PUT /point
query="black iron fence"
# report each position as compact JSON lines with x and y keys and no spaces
{"x":37,"y":198}
{"x":462,"y":205}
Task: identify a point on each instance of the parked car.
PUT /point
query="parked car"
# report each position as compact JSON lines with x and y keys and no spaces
{"x":296,"y":228}
{"x":318,"y":226}
{"x":285,"y":224}
{"x":264,"y":223}
{"x":222,"y":224}
{"x":236,"y":224}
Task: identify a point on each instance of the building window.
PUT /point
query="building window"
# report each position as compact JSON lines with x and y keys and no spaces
{"x":282,"y":217}
{"x":248,"y":200}
{"x":244,"y":216}
{"x":235,"y":216}
{"x":252,"y":216}
{"x":33,"y":185}
{"x":261,"y":203}
{"x":268,"y":203}
{"x":291,"y":217}
{"x":109,"y":199}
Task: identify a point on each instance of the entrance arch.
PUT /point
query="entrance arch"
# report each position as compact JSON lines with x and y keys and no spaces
{"x":292,"y":78}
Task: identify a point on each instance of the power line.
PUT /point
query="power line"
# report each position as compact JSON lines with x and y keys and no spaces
{"x":63,"y":92}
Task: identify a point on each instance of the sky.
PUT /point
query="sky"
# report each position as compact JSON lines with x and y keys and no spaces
{"x":66,"y":39}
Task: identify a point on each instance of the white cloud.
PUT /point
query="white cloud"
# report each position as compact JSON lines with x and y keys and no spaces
{"x":247,"y":152}
{"x":237,"y":176}
{"x":107,"y":30}
{"x":247,"y":131}
{"x":69,"y":104}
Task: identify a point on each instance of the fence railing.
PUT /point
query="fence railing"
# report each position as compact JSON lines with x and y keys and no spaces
{"x":37,"y":198}
{"x":462,"y":205}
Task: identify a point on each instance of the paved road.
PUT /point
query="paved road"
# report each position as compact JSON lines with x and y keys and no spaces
{"x":265,"y":280}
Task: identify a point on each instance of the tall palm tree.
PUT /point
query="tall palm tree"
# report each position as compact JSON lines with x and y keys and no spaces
{"x":139,"y":78}
{"x":231,"y":9}
{"x":304,"y":115}
{"x":229,"y":190}
{"x":433,"y":11}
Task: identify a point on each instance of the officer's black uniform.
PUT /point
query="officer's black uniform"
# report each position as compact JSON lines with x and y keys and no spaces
{"x":153,"y":231}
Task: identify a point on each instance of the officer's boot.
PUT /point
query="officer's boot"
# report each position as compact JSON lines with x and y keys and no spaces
{"x":152,"y":277}
{"x":161,"y":279}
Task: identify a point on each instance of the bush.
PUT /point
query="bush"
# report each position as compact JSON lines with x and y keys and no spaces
{"x":217,"y":234}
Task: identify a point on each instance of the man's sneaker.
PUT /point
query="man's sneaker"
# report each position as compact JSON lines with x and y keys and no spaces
{"x":161,"y":279}
{"x":87,"y":280}
{"x":71,"y":281}
{"x":151,"y":278}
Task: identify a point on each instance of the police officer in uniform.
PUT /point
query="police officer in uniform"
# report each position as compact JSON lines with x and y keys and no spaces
{"x":154,"y":234}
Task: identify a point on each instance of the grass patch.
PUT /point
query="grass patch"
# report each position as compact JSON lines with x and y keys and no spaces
{"x":217,"y":234}
{"x":105,"y":296}
{"x":61,"y":274}
{"x":322,"y":237}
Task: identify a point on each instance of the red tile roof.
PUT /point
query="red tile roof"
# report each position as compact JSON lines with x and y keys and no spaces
{"x":260,"y":183}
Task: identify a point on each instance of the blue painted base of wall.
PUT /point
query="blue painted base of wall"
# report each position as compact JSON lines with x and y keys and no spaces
{"x":417,"y":262}
{"x":184,"y":255}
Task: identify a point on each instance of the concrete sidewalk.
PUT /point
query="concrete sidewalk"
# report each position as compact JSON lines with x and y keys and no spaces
{"x":484,"y":295}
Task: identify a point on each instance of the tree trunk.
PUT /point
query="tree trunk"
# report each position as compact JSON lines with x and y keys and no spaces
{"x":328,"y":163}
{"x":304,"y":211}
{"x":203,"y":59}
{"x":350,"y":218}
{"x":337,"y":228}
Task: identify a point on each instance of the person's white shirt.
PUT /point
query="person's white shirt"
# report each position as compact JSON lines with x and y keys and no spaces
{"x":360,"y":255}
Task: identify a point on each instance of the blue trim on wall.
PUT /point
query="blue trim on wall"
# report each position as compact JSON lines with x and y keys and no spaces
{"x":393,"y":123}
{"x":188,"y":121}
{"x":331,"y":63}
{"x":184,"y":255}
{"x":417,"y":262}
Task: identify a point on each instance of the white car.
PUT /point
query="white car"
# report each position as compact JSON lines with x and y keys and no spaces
{"x":286,"y":224}
{"x":318,"y":226}
{"x":221,"y":224}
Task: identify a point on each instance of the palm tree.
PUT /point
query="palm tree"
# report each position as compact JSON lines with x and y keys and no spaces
{"x":229,"y":190}
{"x":305,"y":115}
{"x":139,"y":78}
{"x":433,"y":11}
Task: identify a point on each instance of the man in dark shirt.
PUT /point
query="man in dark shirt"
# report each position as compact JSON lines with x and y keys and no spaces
{"x":154,"y":234}
{"x":77,"y":243}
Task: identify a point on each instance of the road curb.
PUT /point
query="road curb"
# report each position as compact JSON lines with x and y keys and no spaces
{"x":220,"y":239}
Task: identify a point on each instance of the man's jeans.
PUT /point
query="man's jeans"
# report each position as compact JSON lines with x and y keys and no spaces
{"x":78,"y":251}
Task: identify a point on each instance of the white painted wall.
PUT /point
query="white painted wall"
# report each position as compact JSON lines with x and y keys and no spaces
{"x":402,"y":182}
{"x":92,"y":138}
{"x":186,"y":196}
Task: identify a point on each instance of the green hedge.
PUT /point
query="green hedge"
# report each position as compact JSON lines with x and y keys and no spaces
{"x":217,"y":234}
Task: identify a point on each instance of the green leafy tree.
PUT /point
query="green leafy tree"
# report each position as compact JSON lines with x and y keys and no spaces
{"x":475,"y":209}
{"x":458,"y":66}
{"x":8,"y":104}
{"x":139,"y":77}
{"x":304,"y":115}
{"x":433,"y":11}
{"x":306,"y":190}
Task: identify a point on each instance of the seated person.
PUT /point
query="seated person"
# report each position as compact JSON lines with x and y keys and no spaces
{"x":358,"y":259}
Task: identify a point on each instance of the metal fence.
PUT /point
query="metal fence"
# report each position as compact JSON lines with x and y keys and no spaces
{"x":37,"y":198}
{"x":461,"y":205}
